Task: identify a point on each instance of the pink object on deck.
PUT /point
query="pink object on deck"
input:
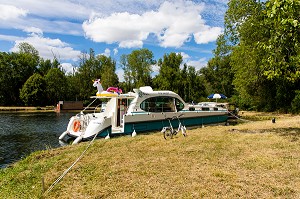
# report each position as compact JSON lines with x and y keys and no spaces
{"x":114,"y":89}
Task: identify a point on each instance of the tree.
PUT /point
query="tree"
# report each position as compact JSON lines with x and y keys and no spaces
{"x":218,"y":73}
{"x":92,"y":67}
{"x":57,"y":86}
{"x":89,"y":69}
{"x":16,"y":68}
{"x":266,"y":59}
{"x":33,"y":91}
{"x":137,"y":68}
{"x":108,"y":71}
{"x":44,"y":66}
{"x":282,"y":48}
{"x":169,"y":77}
{"x":26,"y":48}
{"x":195,"y":86}
{"x":6,"y":81}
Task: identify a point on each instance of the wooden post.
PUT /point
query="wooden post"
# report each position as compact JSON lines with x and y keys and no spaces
{"x":43,"y":186}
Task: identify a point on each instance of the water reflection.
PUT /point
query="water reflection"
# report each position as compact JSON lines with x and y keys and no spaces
{"x":23,"y":133}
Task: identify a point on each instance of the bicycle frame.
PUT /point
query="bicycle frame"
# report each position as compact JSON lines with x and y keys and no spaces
{"x":170,"y":128}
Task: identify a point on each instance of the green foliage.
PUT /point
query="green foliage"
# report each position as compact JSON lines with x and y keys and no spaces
{"x":33,"y":91}
{"x":295,"y":107}
{"x":219,"y":74}
{"x":92,"y":67}
{"x":282,"y":47}
{"x":192,"y":86}
{"x":57,"y":84}
{"x":7,"y":87}
{"x":44,"y":66}
{"x":15,"y":68}
{"x":266,"y":60}
{"x":108,"y":71}
{"x":18,"y":67}
{"x":169,"y":77}
{"x":137,"y":68}
{"x":89,"y":69}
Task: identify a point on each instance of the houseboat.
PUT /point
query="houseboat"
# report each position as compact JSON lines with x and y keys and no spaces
{"x":139,"y":111}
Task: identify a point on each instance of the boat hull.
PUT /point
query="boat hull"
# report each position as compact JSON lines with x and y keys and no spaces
{"x":148,"y":123}
{"x":153,"y":125}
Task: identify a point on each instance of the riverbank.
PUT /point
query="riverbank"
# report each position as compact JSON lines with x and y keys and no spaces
{"x":38,"y":109}
{"x":254,"y":160}
{"x":26,"y":109}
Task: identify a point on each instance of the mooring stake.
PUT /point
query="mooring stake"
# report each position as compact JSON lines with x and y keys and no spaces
{"x":43,"y":186}
{"x":273,"y":120}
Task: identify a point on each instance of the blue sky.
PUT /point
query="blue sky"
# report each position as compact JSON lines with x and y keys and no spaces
{"x":66,"y":28}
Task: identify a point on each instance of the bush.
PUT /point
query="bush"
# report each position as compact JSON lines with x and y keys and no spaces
{"x":295,"y":106}
{"x":33,"y":91}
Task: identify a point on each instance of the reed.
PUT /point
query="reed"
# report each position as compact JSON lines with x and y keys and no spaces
{"x":252,"y":160}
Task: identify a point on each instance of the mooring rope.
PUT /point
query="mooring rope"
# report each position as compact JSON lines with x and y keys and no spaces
{"x":89,"y":104}
{"x":238,"y":117}
{"x":67,"y":170}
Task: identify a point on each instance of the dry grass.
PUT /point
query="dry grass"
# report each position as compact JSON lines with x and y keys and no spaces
{"x":252,"y":160}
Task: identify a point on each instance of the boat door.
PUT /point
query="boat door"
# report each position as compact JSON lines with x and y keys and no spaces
{"x":122,"y":107}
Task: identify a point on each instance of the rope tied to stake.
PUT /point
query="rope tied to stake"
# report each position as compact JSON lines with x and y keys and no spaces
{"x":67,"y":170}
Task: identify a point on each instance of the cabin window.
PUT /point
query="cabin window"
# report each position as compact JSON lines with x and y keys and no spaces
{"x":162,"y":104}
{"x":191,"y":108}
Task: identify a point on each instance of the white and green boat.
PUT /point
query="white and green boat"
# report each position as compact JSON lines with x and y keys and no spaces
{"x":139,"y":111}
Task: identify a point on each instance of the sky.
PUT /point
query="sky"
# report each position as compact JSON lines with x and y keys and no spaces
{"x":66,"y":28}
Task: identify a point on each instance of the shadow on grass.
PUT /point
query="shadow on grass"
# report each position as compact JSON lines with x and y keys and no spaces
{"x":290,"y":132}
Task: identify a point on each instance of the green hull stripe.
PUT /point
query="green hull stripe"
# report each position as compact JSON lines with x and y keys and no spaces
{"x":158,"y":125}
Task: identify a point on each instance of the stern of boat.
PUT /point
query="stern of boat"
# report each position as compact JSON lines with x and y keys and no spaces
{"x":86,"y":126}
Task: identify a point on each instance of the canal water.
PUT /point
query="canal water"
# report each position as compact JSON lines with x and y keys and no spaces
{"x":24,"y":133}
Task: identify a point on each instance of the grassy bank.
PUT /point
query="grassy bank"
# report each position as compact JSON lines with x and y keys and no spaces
{"x":26,"y":109}
{"x":251,"y":160}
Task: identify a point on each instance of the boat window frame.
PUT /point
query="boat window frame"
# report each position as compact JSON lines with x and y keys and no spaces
{"x":159,"y":104}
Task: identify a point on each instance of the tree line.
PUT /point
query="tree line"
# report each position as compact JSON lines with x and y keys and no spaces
{"x":256,"y":63}
{"x":27,"y":79}
{"x":257,"y":59}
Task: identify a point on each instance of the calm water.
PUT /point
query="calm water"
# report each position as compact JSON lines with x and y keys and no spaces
{"x":23,"y":133}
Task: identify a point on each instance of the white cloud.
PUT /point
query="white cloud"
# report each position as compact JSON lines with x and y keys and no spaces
{"x":48,"y":16}
{"x":184,"y":55}
{"x":10,"y":38}
{"x":131,"y":44}
{"x":106,"y":52}
{"x":129,"y":23}
{"x":116,"y":51}
{"x":53,"y":8}
{"x":8,"y":12}
{"x":68,"y":67}
{"x":198,"y":64}
{"x":155,"y":69}
{"x":173,"y":23}
{"x":116,"y":28}
{"x":209,"y":35}
{"x":120,"y":74}
{"x":33,"y":30}
{"x":49,"y":48}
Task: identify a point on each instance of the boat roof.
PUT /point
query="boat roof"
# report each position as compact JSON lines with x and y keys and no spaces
{"x":131,"y":95}
{"x":121,"y":96}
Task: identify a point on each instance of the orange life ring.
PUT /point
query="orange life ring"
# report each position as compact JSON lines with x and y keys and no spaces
{"x":76,"y":125}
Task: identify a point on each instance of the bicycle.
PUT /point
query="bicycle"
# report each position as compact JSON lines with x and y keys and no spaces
{"x":181,"y":127}
{"x":169,"y":131}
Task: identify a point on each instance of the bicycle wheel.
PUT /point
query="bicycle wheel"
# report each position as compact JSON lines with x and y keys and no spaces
{"x":168,"y":133}
{"x":183,"y":131}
